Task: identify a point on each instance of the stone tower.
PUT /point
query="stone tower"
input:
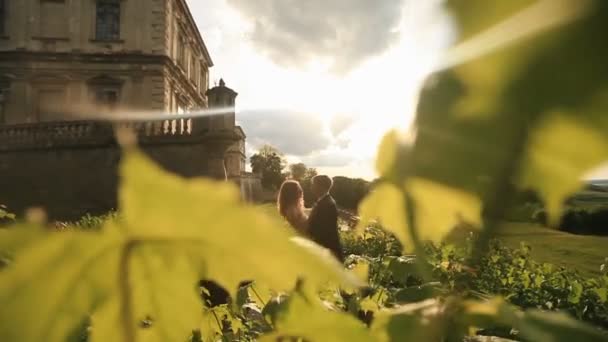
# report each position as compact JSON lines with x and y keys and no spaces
{"x":222,"y":97}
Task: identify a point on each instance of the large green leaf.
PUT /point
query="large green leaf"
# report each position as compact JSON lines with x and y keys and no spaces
{"x":55,"y":280}
{"x":138,"y":277}
{"x":533,"y":325}
{"x":519,"y":111}
{"x":306,"y":317}
{"x":421,"y":321}
{"x":438,"y":209}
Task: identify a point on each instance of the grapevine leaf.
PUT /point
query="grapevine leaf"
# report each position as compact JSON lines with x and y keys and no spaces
{"x":306,"y":317}
{"x":211,"y":323}
{"x":387,"y":204}
{"x":421,"y":321}
{"x":137,"y":277}
{"x":506,"y":114}
{"x":439,"y":208}
{"x":536,"y":325}
{"x":533,"y":325}
{"x":417,"y":293}
{"x":235,"y":241}
{"x":54,"y":282}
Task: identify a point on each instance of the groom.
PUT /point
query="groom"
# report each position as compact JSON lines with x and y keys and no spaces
{"x":323,"y":219}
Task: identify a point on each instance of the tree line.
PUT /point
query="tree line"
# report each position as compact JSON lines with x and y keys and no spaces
{"x":271,"y":165}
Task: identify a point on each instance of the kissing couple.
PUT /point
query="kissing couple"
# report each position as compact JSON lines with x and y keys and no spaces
{"x":321,"y":226}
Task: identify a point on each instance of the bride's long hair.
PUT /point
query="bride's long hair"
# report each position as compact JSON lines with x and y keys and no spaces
{"x":290,"y":195}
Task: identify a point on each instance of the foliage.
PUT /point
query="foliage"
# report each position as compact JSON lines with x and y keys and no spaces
{"x":584,"y":221}
{"x":495,"y":115}
{"x":89,"y":222}
{"x":269,"y":162}
{"x":301,"y":172}
{"x":5,"y":215}
{"x":374,"y":242}
{"x":144,"y":267}
{"x":512,"y":274}
{"x":349,"y":192}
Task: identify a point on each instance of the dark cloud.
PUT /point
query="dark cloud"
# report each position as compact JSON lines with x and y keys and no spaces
{"x":292,"y":32}
{"x":293,"y":133}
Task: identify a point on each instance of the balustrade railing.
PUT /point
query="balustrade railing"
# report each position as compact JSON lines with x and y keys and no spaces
{"x":43,"y":133}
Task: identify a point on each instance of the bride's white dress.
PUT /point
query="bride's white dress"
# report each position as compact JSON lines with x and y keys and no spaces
{"x":298,"y":219}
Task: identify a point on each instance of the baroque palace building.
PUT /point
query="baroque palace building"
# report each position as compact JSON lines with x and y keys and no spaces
{"x":114,"y":54}
{"x":67,"y":64}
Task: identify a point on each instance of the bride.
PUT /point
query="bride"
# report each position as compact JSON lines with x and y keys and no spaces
{"x":291,"y":206}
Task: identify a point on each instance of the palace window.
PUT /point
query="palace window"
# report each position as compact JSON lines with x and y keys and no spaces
{"x":105,"y":92}
{"x":193,"y":69}
{"x":107,"y":23}
{"x":107,"y":98}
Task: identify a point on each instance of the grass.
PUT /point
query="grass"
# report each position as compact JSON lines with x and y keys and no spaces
{"x":582,"y":253}
{"x":577,"y":252}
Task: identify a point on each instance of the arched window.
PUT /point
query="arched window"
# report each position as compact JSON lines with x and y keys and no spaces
{"x":107,"y":23}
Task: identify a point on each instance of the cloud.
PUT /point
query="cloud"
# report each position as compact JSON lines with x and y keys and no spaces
{"x":293,"y":133}
{"x":340,"y":123}
{"x":329,"y":158}
{"x":294,"y":32}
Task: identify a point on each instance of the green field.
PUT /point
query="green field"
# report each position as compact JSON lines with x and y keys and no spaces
{"x":576,"y":252}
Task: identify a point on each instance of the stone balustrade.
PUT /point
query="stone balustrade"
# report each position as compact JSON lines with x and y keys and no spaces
{"x":83,"y":133}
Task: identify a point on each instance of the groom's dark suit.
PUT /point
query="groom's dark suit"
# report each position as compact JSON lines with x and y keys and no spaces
{"x":323,"y":225}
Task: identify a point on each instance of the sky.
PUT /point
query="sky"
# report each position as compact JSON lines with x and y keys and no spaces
{"x":323,"y":81}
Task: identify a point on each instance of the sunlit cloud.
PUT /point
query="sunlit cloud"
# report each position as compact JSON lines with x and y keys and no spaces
{"x":350,"y":111}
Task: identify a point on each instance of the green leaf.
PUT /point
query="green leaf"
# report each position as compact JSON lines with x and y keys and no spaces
{"x":210,"y":221}
{"x":387,"y":204}
{"x":138,"y":277}
{"x":389,"y":149}
{"x":501,"y":114}
{"x":413,"y":322}
{"x":576,"y":291}
{"x":533,"y":325}
{"x":54,"y":282}
{"x":439,"y":208}
{"x":549,"y":152}
{"x":402,"y":267}
{"x":418,"y":293}
{"x":602,"y":293}
{"x":306,"y":317}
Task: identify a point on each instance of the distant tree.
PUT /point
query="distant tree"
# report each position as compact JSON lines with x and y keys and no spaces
{"x":269,"y":162}
{"x":298,"y":171}
{"x":349,"y":192}
{"x":301,"y":172}
{"x":310,"y":173}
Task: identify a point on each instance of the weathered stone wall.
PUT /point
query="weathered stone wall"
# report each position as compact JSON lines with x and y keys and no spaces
{"x":71,"y":169}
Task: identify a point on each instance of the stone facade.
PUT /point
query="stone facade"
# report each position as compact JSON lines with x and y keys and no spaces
{"x":73,"y":70}
{"x":60,"y":57}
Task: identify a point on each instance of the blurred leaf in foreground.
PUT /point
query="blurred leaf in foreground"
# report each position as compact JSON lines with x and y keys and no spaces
{"x":306,"y":317}
{"x":138,"y":277}
{"x":526,"y":90}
